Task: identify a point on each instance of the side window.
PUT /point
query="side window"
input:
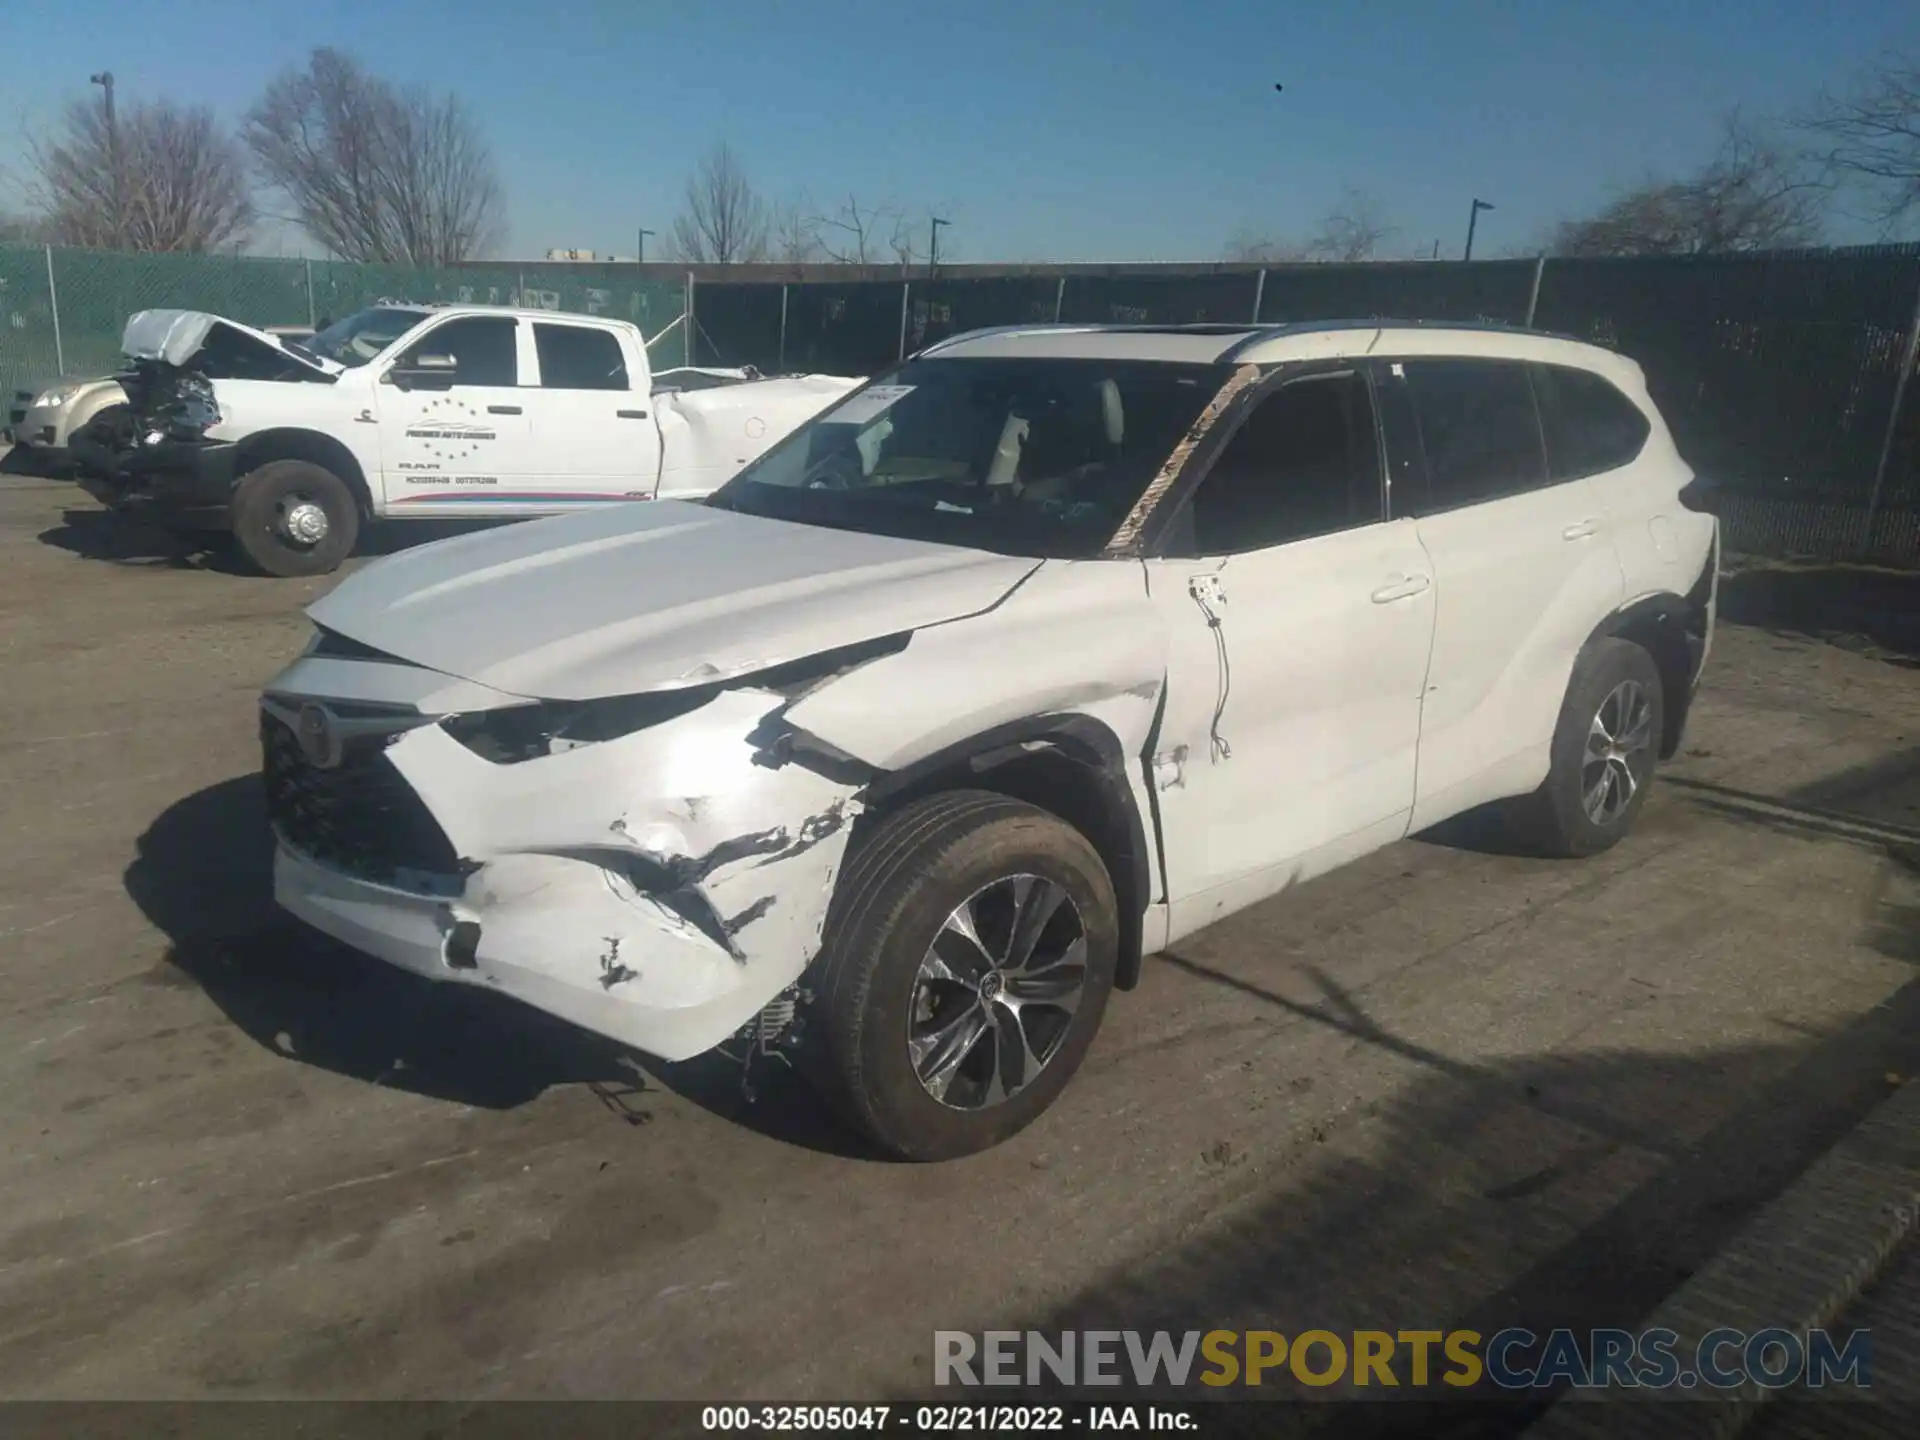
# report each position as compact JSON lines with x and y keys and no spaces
{"x":1591,"y":427}
{"x":482,"y":347}
{"x":1478,"y":428}
{"x":576,"y":357}
{"x":1304,"y":463}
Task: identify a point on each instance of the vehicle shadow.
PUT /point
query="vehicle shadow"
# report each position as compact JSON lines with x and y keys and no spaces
{"x":101,"y":534}
{"x":203,"y":875}
{"x":1574,"y":1188}
{"x":25,"y":460}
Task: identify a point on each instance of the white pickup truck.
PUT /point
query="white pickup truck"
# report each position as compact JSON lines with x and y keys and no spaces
{"x":406,"y":411}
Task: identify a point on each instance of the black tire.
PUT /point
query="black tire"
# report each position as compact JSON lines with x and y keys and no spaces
{"x":907,"y":877}
{"x":1555,"y":819}
{"x":261,"y":501}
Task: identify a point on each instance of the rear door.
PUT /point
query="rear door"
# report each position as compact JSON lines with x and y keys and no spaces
{"x":1596,"y":433}
{"x":456,"y":441}
{"x":593,"y":433}
{"x":1524,"y":568}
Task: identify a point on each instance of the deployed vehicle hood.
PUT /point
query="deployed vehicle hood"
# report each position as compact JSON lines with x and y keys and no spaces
{"x":176,"y":336}
{"x":651,"y":596}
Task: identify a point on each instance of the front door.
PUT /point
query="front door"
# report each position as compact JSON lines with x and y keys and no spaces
{"x":456,"y":442}
{"x":1299,"y":622}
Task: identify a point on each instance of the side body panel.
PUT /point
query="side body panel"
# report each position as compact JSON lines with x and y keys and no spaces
{"x":1292,"y":714}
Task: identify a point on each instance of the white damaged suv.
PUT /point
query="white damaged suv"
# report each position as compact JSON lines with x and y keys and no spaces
{"x":1017,"y":665}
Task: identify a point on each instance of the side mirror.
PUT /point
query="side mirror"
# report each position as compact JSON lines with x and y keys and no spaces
{"x":425,"y":372}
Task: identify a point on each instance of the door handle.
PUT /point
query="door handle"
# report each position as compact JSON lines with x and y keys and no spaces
{"x":1580,"y":531}
{"x":631,"y":414}
{"x":1403,"y":588}
{"x":503,"y":409}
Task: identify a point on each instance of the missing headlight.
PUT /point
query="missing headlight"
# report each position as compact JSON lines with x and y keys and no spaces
{"x":526,"y":732}
{"x":515,"y":733}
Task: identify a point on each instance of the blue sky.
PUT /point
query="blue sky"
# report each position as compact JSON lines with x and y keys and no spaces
{"x":1062,"y":129}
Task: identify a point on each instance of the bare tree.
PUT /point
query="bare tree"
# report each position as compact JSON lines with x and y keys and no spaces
{"x":1250,"y":247}
{"x":1754,"y":194}
{"x":793,"y":232}
{"x":375,"y":172}
{"x":856,"y":234}
{"x":165,"y":177}
{"x":23,"y":230}
{"x":1873,"y":136}
{"x":725,"y":222}
{"x":1352,"y":230}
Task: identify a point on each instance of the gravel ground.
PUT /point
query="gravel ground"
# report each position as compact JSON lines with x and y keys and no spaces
{"x":1444,"y":1086}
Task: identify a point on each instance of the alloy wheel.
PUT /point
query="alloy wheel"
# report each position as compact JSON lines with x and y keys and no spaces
{"x":996,"y":992}
{"x":1619,"y":751}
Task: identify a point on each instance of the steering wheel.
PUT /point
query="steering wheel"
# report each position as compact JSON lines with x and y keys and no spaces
{"x":839,"y":471}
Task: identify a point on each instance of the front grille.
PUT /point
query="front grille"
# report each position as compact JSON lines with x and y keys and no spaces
{"x":360,"y":817}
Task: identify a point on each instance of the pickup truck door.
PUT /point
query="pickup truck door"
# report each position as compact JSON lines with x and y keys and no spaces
{"x":591,"y":407}
{"x":456,"y":442}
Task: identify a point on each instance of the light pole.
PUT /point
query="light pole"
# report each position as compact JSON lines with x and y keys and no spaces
{"x":640,"y":250}
{"x":105,"y":81}
{"x":933,"y":243}
{"x":1473,"y":219}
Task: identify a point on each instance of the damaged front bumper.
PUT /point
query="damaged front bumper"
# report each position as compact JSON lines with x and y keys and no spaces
{"x":661,"y":888}
{"x":184,"y":482}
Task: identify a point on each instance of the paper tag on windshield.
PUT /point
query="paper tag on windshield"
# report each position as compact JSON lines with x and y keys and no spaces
{"x":868,"y":405}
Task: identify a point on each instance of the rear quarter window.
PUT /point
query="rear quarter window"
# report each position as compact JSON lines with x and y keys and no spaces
{"x":1590,"y":426}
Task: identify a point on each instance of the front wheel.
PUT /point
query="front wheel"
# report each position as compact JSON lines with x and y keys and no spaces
{"x":292,"y":517}
{"x":969,"y":954}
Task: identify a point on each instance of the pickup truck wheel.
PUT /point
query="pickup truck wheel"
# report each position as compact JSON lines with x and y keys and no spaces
{"x":1604,"y":750}
{"x":293,"y":517}
{"x":968,"y":958}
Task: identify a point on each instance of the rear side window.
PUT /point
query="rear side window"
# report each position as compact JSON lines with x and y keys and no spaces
{"x":1304,"y":463}
{"x":1590,"y":426}
{"x":1478,"y":428}
{"x":482,"y":347}
{"x":573,"y":357}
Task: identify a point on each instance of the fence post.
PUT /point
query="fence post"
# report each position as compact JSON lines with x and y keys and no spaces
{"x":1908,"y":354}
{"x":311,"y":312}
{"x":906,"y":290}
{"x":1533,"y":300}
{"x":53,"y":300}
{"x":687,"y":332}
{"x":1059,"y":298}
{"x":1259,"y":294}
{"x":781,"y":364}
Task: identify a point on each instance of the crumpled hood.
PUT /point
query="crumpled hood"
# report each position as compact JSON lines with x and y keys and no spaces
{"x":175,"y":337}
{"x":652,"y":595}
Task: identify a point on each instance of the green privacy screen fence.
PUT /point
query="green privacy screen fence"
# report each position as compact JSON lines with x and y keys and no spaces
{"x":62,"y":311}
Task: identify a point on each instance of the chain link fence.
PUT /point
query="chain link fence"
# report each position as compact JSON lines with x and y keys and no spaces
{"x":1785,"y":376}
{"x":62,"y":311}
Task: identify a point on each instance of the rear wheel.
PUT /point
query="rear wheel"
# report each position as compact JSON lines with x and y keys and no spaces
{"x":1605,"y":748}
{"x":292,"y":517}
{"x":968,"y":959}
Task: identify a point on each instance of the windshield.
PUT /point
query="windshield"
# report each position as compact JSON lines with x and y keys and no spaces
{"x":360,"y":337}
{"x":1039,"y":457}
